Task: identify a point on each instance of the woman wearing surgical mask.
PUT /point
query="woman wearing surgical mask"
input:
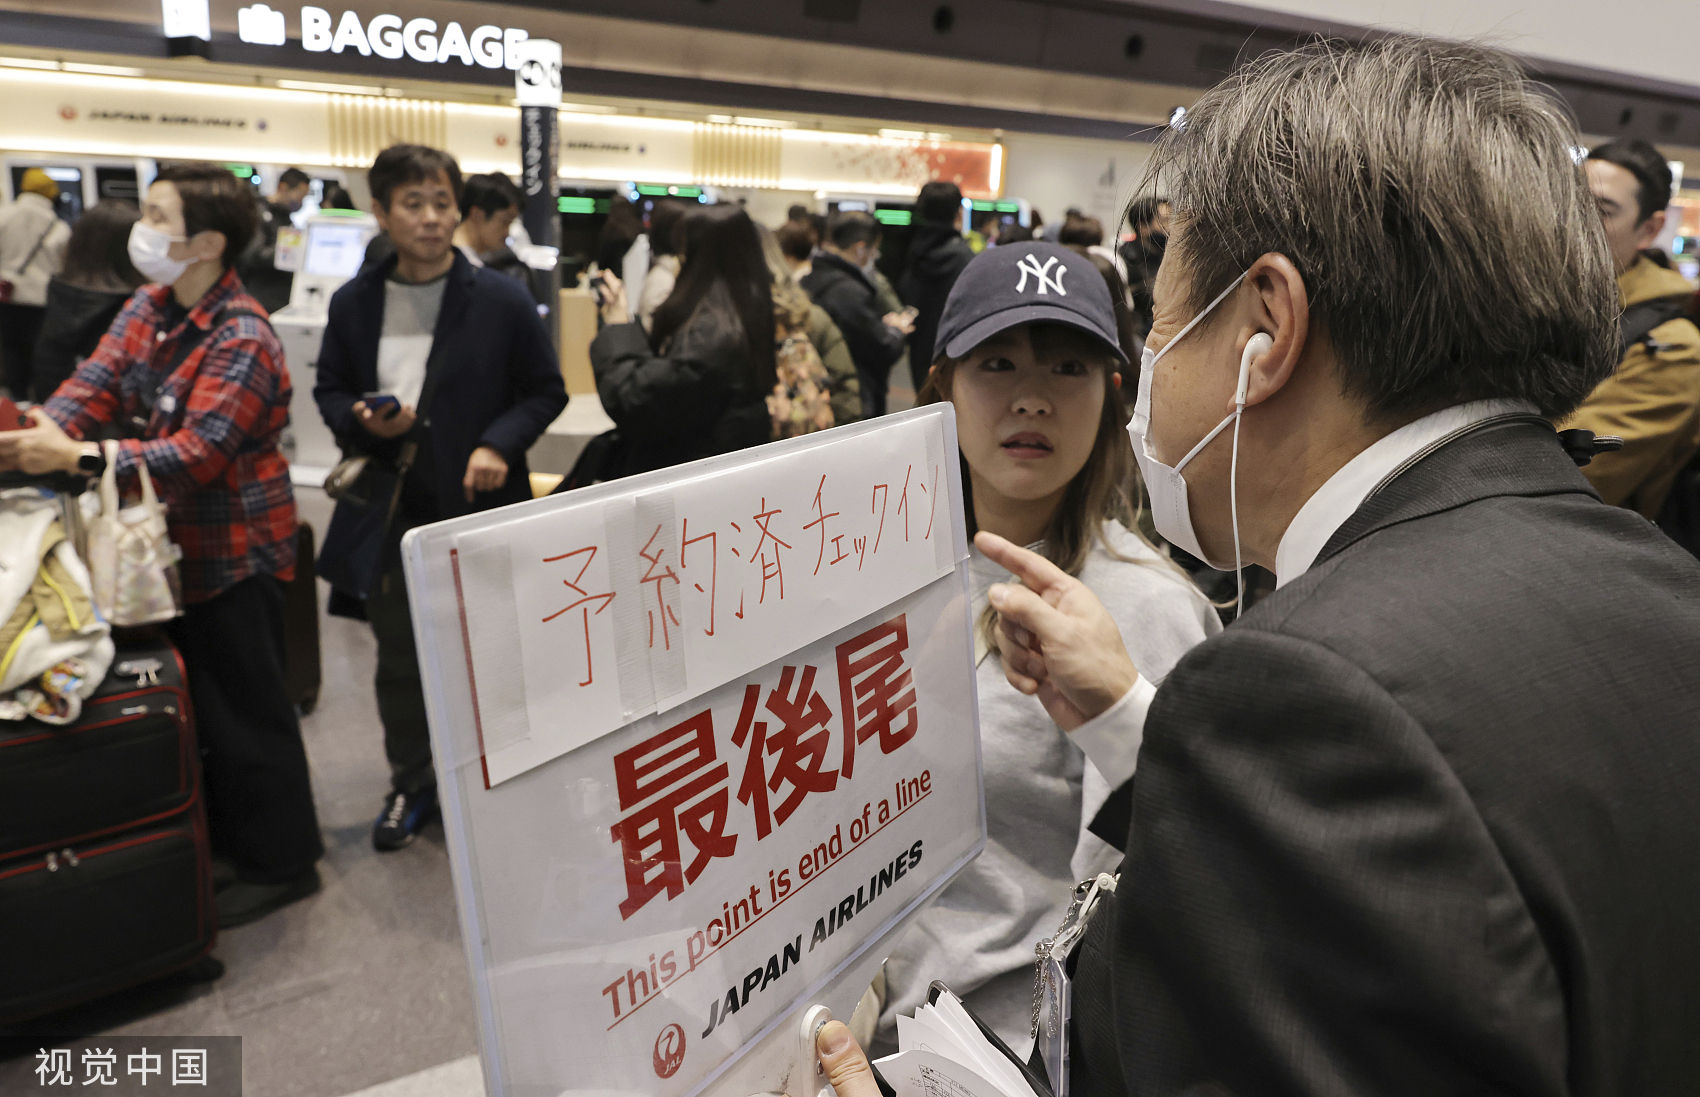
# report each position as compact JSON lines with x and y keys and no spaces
{"x":192,"y":379}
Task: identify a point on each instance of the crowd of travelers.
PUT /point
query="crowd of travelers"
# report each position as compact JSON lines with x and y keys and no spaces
{"x":1414,"y":815}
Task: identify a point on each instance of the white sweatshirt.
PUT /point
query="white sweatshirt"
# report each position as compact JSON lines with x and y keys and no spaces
{"x":1041,"y":792}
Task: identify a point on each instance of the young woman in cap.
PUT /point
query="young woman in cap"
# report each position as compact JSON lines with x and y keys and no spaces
{"x":1028,"y":354}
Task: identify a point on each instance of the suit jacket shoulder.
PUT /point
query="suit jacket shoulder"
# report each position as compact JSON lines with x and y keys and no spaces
{"x":1382,"y":825}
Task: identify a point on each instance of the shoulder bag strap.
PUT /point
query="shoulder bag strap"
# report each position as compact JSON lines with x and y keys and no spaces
{"x":410,"y":448}
{"x":53,"y":219}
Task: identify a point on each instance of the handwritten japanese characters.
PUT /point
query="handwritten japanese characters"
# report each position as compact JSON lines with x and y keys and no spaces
{"x":635,"y":605}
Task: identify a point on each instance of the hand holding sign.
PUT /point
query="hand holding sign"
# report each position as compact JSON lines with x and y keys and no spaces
{"x":1057,"y":641}
{"x":844,"y":1062}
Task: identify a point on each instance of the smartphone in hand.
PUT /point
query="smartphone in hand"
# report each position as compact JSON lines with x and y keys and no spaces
{"x":382,"y":404}
{"x":12,"y":417}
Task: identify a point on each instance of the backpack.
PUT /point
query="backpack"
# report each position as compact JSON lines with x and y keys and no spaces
{"x":1679,"y":517}
{"x":801,"y":400}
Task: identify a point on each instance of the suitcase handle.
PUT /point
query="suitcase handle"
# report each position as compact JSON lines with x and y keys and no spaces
{"x":60,"y":483}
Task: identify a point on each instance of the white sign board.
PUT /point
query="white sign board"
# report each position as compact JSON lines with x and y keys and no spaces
{"x":706,"y":739}
{"x":386,"y":36}
{"x":185,"y":19}
{"x":537,"y":73}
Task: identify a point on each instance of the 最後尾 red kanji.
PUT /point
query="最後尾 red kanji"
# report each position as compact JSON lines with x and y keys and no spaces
{"x":876,"y":689}
{"x":582,"y":603}
{"x":789,"y":756}
{"x":671,"y":788}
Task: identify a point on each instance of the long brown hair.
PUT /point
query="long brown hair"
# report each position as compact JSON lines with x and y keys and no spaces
{"x":1104,"y":489}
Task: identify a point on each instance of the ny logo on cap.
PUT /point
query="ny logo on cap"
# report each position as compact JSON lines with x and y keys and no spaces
{"x":1042,"y":274}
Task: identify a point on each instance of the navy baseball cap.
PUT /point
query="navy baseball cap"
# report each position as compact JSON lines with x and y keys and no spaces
{"x":1027,"y":283}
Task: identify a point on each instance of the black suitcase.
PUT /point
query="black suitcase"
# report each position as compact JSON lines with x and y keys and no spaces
{"x":301,"y":665}
{"x":105,"y":868}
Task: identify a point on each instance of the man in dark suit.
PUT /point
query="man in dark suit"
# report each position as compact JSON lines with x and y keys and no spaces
{"x":425,"y":349}
{"x":1423,"y":821}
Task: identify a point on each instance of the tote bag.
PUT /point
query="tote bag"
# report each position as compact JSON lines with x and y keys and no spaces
{"x":132,"y":561}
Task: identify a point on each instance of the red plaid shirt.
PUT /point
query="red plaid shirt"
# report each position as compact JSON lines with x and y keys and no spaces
{"x":211,"y":442}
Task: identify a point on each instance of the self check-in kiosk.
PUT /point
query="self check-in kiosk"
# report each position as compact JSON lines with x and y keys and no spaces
{"x":324,"y":253}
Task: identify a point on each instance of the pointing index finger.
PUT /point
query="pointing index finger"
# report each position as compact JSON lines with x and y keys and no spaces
{"x":1035,"y":572}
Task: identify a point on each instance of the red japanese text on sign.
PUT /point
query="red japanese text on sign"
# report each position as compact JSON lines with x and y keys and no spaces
{"x":676,"y":772}
{"x":876,"y":689}
{"x":582,"y":603}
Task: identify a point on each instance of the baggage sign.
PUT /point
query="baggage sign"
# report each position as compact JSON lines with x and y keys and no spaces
{"x":706,"y":739}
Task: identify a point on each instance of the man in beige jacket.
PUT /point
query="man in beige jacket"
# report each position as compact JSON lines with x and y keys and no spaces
{"x":1652,"y":399}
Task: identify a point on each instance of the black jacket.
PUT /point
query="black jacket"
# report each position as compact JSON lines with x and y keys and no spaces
{"x":1423,"y":821}
{"x":500,"y":386}
{"x":696,"y":398}
{"x":258,"y":263}
{"x":75,"y":321}
{"x":937,"y":255}
{"x":849,"y":298}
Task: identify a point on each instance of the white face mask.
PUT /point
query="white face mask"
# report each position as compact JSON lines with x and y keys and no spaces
{"x":150,"y":254}
{"x":1166,"y":485}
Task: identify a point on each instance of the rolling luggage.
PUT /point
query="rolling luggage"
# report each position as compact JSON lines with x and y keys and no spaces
{"x":105,"y":868}
{"x":301,"y":664}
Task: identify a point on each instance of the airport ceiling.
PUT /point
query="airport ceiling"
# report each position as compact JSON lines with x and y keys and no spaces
{"x":1160,"y":45}
{"x":1109,"y":69}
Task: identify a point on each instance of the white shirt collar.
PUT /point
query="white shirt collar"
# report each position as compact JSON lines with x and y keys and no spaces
{"x":1344,"y":492}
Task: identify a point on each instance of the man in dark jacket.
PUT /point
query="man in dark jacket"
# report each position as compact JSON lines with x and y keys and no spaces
{"x":839,"y":283}
{"x":473,"y":382}
{"x":937,"y":254}
{"x":1422,"y":821}
{"x":258,"y":265}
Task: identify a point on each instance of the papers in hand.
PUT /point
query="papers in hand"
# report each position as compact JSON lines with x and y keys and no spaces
{"x":944,"y":1054}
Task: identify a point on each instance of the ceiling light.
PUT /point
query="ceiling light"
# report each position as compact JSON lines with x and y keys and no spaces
{"x":102,"y":70}
{"x":770,"y":123}
{"x":335,"y":89}
{"x":29,"y":63}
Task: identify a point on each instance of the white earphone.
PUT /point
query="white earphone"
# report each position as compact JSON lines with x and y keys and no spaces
{"x":1257,"y":345}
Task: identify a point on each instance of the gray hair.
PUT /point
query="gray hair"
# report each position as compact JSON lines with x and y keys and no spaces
{"x":1428,"y":194}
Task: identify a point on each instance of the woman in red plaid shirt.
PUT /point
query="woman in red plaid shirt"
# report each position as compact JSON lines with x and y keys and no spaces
{"x":192,"y":377}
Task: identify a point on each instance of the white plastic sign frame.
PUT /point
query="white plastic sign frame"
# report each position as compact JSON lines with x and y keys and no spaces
{"x":601,"y":962}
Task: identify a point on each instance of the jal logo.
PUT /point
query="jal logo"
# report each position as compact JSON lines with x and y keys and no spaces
{"x":669,"y":1051}
{"x":1044,"y":280}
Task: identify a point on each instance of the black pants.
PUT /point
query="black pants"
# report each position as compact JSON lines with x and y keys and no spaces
{"x":20,"y":325}
{"x":874,"y":387}
{"x":401,"y":695}
{"x":254,"y":765}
